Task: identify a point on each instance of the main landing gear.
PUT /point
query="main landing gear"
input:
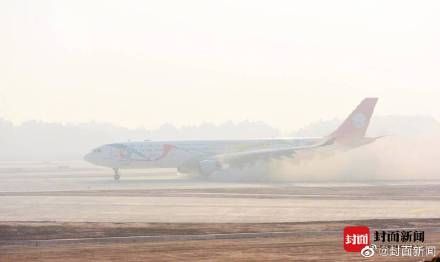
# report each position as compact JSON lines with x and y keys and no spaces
{"x":116,"y":176}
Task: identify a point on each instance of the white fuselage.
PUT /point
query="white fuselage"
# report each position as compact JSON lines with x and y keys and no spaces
{"x":208,"y":156}
{"x":174,"y":154}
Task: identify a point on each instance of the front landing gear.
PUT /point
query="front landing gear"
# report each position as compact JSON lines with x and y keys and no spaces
{"x":116,"y":176}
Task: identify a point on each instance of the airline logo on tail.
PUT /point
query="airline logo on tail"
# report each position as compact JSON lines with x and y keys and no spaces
{"x":359,"y":121}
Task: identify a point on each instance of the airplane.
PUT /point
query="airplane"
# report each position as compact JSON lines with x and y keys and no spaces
{"x":204,"y":157}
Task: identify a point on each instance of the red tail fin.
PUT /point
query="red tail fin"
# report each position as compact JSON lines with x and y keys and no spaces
{"x":355,"y":126}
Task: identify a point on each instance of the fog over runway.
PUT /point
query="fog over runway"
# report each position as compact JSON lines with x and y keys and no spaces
{"x":78,"y":192}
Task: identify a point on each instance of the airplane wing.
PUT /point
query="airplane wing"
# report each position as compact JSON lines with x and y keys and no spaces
{"x":244,"y":157}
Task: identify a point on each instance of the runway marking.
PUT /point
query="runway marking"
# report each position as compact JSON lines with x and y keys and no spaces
{"x":156,"y":238}
{"x":152,"y":238}
{"x":134,"y":193}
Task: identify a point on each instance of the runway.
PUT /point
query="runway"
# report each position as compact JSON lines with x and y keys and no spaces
{"x":78,"y":192}
{"x":73,"y":211}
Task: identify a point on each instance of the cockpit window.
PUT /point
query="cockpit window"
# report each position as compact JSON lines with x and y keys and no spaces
{"x":98,"y":150}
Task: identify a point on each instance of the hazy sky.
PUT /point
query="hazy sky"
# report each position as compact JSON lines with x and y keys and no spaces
{"x":288,"y":63}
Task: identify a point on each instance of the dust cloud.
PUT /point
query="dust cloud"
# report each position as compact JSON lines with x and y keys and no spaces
{"x":389,"y":158}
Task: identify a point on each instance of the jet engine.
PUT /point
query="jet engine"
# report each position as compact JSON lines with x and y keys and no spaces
{"x":207,"y":167}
